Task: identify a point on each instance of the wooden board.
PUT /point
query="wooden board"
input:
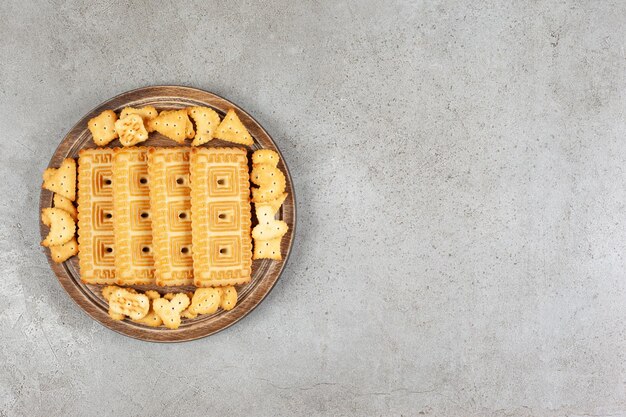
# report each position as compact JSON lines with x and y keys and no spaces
{"x":265,"y":272}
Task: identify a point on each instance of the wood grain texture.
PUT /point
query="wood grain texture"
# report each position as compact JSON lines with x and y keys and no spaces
{"x":265,"y":273}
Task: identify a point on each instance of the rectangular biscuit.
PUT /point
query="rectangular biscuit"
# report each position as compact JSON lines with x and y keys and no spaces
{"x":170,"y":206}
{"x":95,"y":216}
{"x":220,"y":216}
{"x":134,"y":264}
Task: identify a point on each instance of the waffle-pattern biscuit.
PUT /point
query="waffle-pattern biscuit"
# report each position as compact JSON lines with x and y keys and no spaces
{"x":168,"y":175}
{"x":220,"y":212}
{"x":134,"y":263}
{"x":95,"y":216}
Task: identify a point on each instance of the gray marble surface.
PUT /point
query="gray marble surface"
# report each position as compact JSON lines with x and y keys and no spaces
{"x":460,"y":174}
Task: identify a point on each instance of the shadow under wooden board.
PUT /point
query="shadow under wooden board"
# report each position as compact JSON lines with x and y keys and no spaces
{"x":265,"y":272}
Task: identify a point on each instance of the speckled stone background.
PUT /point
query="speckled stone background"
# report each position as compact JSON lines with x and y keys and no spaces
{"x":460,"y":175}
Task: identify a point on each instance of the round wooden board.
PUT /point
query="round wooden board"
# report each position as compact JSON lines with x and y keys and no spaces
{"x":265,"y":272}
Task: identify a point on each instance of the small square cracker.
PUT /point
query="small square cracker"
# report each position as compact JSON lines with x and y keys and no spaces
{"x":102,"y":127}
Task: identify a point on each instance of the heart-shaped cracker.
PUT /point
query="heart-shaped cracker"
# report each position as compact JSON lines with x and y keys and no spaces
{"x":169,"y":311}
{"x":62,"y":180}
{"x":62,"y":226}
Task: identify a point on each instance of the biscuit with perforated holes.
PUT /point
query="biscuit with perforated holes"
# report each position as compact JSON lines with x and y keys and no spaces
{"x":207,"y":121}
{"x":134,"y":305}
{"x":147,"y":113}
{"x":102,"y":128}
{"x":232,"y":130}
{"x":61,"y":253}
{"x":169,"y":310}
{"x":62,"y":180}
{"x":131,"y":130}
{"x":229,"y":298}
{"x":174,"y":124}
{"x":62,"y":226}
{"x":265,"y":156}
{"x":205,"y":301}
{"x":66,"y":204}
{"x":271,"y":182}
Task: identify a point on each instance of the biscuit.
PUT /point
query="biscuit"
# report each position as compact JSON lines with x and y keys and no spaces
{"x":62,"y":180}
{"x":95,"y":216}
{"x":174,"y":124}
{"x":61,"y":253}
{"x":269,"y":230}
{"x":220,"y":212}
{"x":61,"y":224}
{"x":205,"y":301}
{"x":267,"y":249}
{"x":272,"y":206}
{"x":271,"y":182}
{"x":232,"y":130}
{"x":133,"y":305}
{"x":106,"y":293}
{"x":207,"y":121}
{"x":66,"y":204}
{"x":147,"y":113}
{"x":151,"y":319}
{"x":102,"y":127}
{"x":131,"y":130}
{"x":170,"y":206}
{"x":134,"y":263}
{"x":229,"y":298}
{"x":169,"y":311}
{"x":265,"y":156}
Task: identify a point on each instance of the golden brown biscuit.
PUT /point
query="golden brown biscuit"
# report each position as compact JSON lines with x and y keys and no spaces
{"x":170,"y":206}
{"x":61,"y":224}
{"x":102,"y":127}
{"x":131,"y":130}
{"x":66,"y":204}
{"x":232,"y":130}
{"x":169,"y":311}
{"x":95,"y":216}
{"x":220,"y":211}
{"x":147,"y":113}
{"x":207,"y":121}
{"x":174,"y":124}
{"x":133,"y":305}
{"x":134,"y":263}
{"x":64,"y":251}
{"x":62,"y":180}
{"x":229,"y":298}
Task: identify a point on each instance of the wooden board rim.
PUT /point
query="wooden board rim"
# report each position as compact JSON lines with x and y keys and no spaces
{"x":88,"y":301}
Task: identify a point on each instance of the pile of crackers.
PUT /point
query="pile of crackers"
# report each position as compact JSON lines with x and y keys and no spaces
{"x":175,"y":216}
